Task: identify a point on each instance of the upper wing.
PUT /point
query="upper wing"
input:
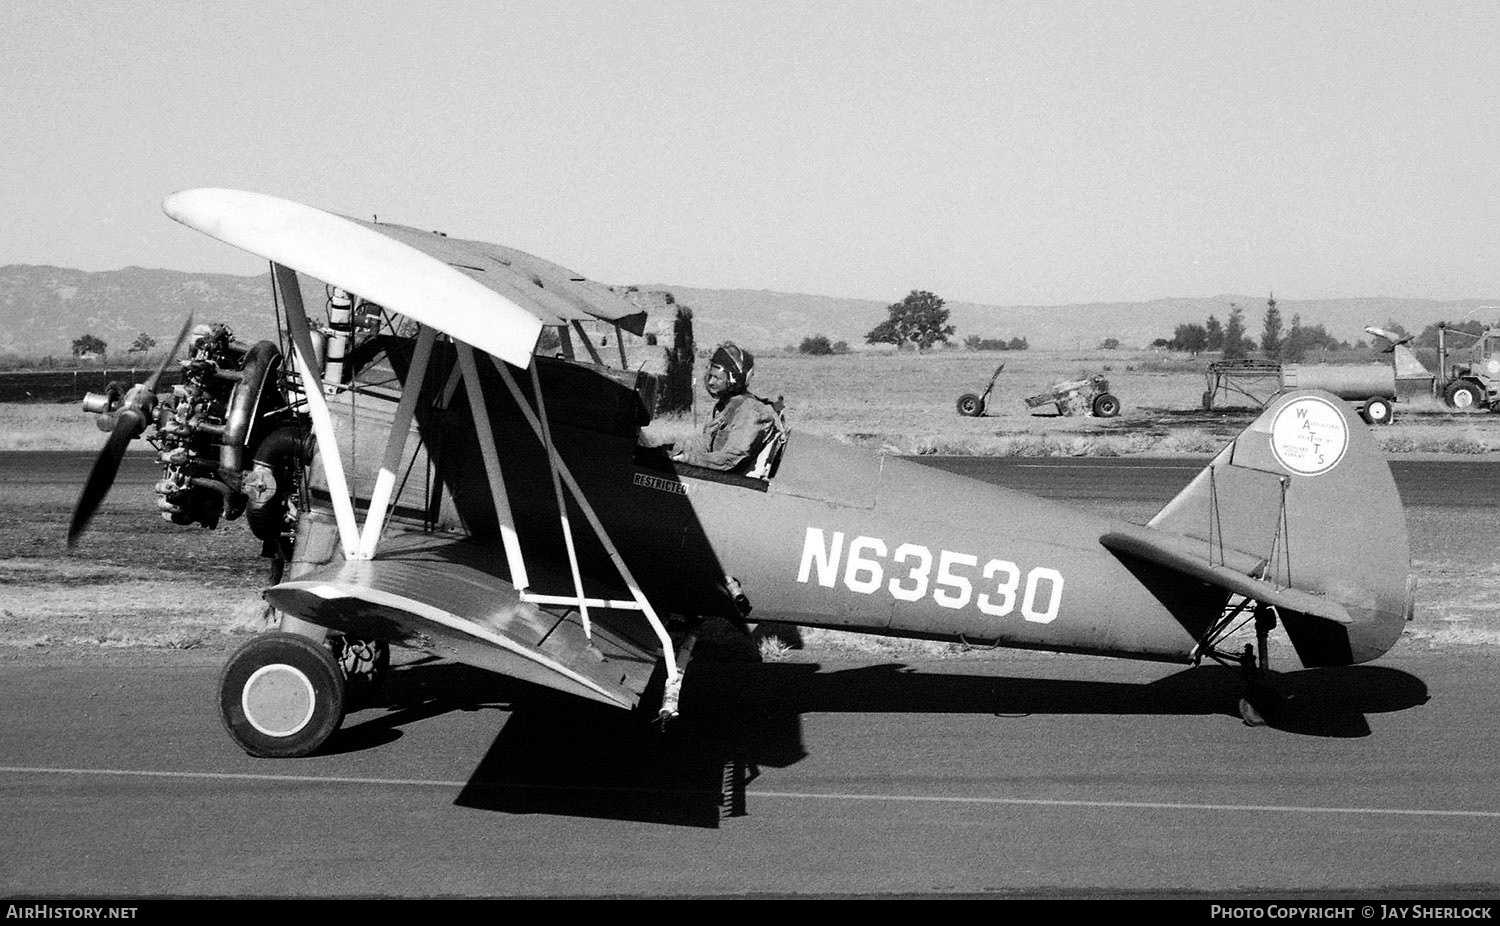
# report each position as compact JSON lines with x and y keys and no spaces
{"x":554,"y":293}
{"x":495,"y":298}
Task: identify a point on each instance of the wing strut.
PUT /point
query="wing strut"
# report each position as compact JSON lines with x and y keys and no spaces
{"x":486,"y":436}
{"x":562,"y":503}
{"x":560,"y":471}
{"x":395,"y":445}
{"x":317,"y":407}
{"x":359,"y":545}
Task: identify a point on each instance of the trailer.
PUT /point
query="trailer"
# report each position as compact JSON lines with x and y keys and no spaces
{"x":972,"y":405}
{"x":1087,"y":396}
{"x":1256,"y":380}
{"x":1373,"y":389}
{"x":1370,"y":388}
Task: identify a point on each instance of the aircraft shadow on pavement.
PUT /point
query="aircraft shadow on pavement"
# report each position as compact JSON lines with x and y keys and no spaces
{"x":556,"y":754}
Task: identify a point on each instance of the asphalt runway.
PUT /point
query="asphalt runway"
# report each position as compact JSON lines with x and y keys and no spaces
{"x":999,"y":773}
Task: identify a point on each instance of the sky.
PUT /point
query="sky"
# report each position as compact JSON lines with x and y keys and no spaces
{"x":1043,"y":153}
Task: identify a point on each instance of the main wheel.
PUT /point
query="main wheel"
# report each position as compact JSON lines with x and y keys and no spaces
{"x":970,"y":405}
{"x":1462,"y":395}
{"x":281,"y":695}
{"x":1378,"y":411}
{"x":1106,"y":406}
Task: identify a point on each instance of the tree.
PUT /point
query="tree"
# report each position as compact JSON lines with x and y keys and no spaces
{"x":88,"y":344}
{"x":1213,"y":330}
{"x":919,"y":319}
{"x":1109,"y":344}
{"x":1189,"y":337}
{"x":142,"y":344}
{"x":817,"y":345}
{"x":1236,"y":345}
{"x":1270,"y":336}
{"x":1294,"y":348}
{"x":1300,"y":340}
{"x":1468,"y":331}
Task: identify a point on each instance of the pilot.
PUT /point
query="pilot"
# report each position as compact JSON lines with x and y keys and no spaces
{"x":742,"y":424}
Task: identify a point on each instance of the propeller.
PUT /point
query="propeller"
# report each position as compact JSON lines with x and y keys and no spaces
{"x":131,"y":419}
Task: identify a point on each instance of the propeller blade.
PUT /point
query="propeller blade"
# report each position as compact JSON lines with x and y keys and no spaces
{"x":127,"y":427}
{"x":187,"y":326}
{"x":130,"y":423}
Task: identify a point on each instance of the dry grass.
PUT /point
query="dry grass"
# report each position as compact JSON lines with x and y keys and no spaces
{"x":905,"y":403}
{"x":128,"y":587}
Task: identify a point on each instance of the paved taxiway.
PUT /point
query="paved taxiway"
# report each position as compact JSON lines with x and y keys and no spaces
{"x":1005,"y":771}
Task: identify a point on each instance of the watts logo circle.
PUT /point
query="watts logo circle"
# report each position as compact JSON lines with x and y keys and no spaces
{"x":1309,"y":436}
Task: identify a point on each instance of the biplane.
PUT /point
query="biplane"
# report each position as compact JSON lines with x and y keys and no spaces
{"x":420,"y":474}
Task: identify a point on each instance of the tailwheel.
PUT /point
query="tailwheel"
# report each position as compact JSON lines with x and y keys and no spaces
{"x":365,"y":665}
{"x":1261,"y":705}
{"x":281,"y":695}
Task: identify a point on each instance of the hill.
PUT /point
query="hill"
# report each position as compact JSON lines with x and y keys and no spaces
{"x":43,"y":308}
{"x":769,"y":319}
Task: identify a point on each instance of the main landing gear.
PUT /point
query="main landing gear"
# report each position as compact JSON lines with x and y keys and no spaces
{"x":282,"y":695}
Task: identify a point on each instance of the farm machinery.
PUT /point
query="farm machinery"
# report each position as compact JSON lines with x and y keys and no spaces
{"x":1373,"y":389}
{"x":1464,"y":383}
{"x":1470,"y":383}
{"x":1087,"y":396}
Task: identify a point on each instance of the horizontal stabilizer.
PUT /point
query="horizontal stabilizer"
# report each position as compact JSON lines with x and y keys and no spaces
{"x":1167,"y":550}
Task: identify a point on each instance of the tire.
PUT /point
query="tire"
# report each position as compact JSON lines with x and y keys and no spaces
{"x":1106,"y":406}
{"x":970,"y":405}
{"x":281,"y":695}
{"x":1378,"y":411}
{"x":1462,"y":395}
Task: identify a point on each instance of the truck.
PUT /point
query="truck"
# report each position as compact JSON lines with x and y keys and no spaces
{"x":1472,"y":381}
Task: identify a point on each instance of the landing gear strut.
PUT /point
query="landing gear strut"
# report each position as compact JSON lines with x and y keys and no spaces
{"x":1260,"y":704}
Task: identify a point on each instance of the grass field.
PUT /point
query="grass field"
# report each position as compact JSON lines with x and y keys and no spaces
{"x":905,"y":403}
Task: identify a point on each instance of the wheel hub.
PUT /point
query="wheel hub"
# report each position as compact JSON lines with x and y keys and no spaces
{"x":278,"y":700}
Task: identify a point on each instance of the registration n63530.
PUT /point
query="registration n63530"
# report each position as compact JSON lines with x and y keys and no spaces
{"x":911,"y":572}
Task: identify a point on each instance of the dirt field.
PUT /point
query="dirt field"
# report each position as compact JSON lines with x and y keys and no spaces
{"x":139,"y":582}
{"x":906,"y":404}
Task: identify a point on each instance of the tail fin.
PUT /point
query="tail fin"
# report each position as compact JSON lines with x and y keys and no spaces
{"x":1306,"y":492}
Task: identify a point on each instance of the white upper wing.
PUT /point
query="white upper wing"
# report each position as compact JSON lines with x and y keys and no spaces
{"x":495,"y":298}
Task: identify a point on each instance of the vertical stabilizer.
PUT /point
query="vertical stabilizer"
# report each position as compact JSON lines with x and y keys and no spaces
{"x":1307,"y":494}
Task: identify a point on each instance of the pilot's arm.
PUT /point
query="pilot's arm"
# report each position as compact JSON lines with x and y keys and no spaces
{"x":746,"y":428}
